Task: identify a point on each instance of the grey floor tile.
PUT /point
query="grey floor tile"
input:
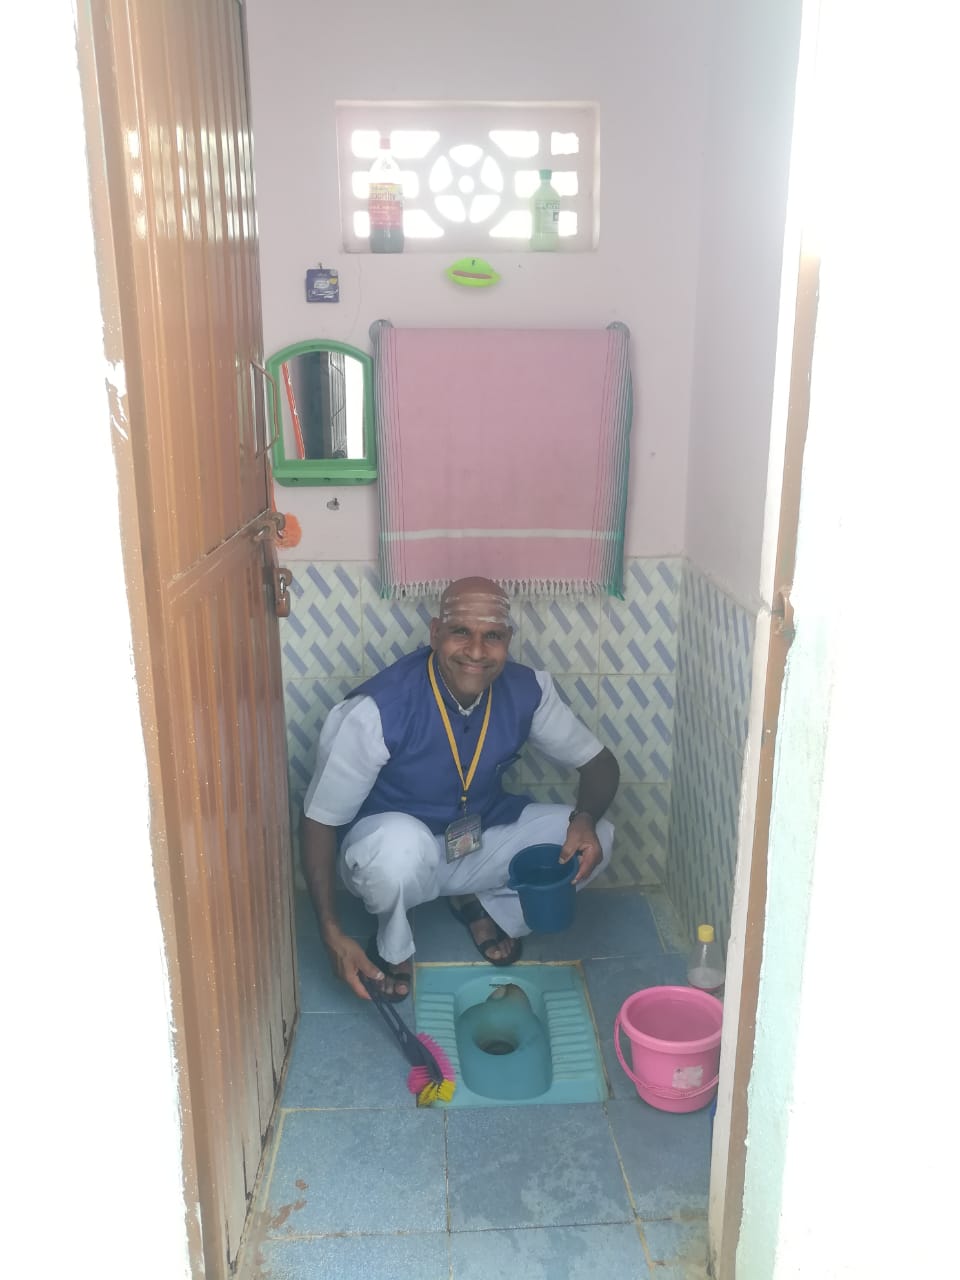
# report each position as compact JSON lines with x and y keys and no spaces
{"x":533,"y":1166}
{"x":421,"y":1257}
{"x":611,"y":922}
{"x":666,"y":1157}
{"x":621,"y":1086}
{"x":358,"y":1172}
{"x":614,"y":922}
{"x":610,"y":982}
{"x":439,"y":937}
{"x":669,"y":925}
{"x":678,"y":1249}
{"x":303,"y":915}
{"x":347,"y":1059}
{"x":551,"y":1253}
{"x":320,"y":991}
{"x":351,"y":913}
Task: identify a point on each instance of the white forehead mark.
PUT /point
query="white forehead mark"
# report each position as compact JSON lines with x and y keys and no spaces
{"x":477,"y":606}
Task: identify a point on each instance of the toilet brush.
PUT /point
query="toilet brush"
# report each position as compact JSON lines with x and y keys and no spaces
{"x":431,"y":1077}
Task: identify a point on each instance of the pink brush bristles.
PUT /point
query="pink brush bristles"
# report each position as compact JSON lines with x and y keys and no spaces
{"x":420,"y":1077}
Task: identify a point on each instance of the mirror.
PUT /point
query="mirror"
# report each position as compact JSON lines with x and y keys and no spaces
{"x":321,"y":395}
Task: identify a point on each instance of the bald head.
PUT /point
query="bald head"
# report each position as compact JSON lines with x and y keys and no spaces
{"x":471,"y":637}
{"x":479,"y":598}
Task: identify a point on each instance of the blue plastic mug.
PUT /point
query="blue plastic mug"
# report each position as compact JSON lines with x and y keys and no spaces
{"x":544,"y":885}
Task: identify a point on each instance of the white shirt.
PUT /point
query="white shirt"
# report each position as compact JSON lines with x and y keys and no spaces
{"x":351,"y":751}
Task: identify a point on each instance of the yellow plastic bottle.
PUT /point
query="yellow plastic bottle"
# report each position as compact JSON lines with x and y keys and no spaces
{"x":705,"y":966}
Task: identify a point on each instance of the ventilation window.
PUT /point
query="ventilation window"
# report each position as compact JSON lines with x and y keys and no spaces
{"x":469,"y":171}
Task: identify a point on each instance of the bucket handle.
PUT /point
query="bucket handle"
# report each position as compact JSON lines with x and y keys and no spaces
{"x":658,"y":1090}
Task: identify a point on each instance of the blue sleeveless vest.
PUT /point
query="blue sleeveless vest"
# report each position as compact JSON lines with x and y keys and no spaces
{"x":420,"y":778}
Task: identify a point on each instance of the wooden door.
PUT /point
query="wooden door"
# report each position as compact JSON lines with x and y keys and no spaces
{"x":172,"y":184}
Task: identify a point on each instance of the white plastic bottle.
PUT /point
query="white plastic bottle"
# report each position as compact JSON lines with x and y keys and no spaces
{"x":545,"y":207}
{"x":705,"y":965}
{"x":385,"y":202}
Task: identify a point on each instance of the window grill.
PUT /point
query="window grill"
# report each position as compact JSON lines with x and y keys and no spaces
{"x":469,"y":171}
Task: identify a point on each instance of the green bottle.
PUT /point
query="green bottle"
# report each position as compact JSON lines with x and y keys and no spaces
{"x":545,"y":207}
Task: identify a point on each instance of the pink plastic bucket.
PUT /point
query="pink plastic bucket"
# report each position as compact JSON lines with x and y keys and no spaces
{"x":674,"y":1035}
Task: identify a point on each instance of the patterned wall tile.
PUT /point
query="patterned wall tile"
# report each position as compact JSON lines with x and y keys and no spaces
{"x":636,"y":723}
{"x":390,"y":628}
{"x":322,"y":635}
{"x":641,"y":815}
{"x":552,"y":793}
{"x":703,"y":830}
{"x":307,"y":704}
{"x":560,"y":636}
{"x":716,"y":651}
{"x":713,"y":691}
{"x":580,"y":694}
{"x":639,"y":634}
{"x":675,"y":649}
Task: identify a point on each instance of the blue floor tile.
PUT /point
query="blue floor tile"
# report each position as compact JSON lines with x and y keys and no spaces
{"x":670,"y":927}
{"x":439,"y":937}
{"x":610,"y":982}
{"x":320,"y":991}
{"x":532,"y":1167}
{"x":666,"y":1157}
{"x":351,"y":914}
{"x":679,"y":1249}
{"x":555,"y":1253}
{"x":534,"y":1191}
{"x":304,"y":919}
{"x":357,"y":1258}
{"x":612,"y":922}
{"x":358,"y":1171}
{"x":620,"y":1084}
{"x":609,"y":922}
{"x":347,"y":1060}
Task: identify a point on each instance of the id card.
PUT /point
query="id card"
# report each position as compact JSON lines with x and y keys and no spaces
{"x":463,"y":837}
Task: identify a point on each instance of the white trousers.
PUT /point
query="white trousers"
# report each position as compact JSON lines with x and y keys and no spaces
{"x":393,"y":862}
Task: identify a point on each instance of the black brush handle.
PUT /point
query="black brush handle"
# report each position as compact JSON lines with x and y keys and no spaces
{"x":414,"y":1050}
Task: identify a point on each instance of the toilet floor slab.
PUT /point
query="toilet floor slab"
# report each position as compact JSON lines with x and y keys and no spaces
{"x":557,"y":995}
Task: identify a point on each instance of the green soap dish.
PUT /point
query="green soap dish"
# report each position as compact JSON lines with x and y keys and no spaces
{"x":475,"y":273}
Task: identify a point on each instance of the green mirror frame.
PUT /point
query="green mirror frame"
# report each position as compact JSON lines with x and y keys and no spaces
{"x":317,"y":471}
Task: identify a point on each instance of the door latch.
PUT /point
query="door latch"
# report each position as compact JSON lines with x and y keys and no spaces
{"x":269,"y":527}
{"x":282,"y":579}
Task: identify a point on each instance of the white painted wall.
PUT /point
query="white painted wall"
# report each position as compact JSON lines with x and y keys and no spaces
{"x":853,"y":1131}
{"x":643,"y":63}
{"x":746,"y":148}
{"x":92,"y":1127}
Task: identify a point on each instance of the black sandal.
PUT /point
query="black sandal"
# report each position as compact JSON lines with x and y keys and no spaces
{"x":391,"y":970}
{"x":471,"y":913}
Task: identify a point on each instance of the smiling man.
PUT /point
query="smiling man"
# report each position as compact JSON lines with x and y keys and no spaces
{"x":407,"y":798}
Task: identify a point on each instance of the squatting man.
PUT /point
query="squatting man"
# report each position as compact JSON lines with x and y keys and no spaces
{"x":407,"y":805}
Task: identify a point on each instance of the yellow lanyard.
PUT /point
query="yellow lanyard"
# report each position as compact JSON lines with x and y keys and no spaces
{"x":464,"y":781}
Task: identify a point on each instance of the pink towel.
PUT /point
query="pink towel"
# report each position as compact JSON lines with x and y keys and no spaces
{"x":502,"y":453}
